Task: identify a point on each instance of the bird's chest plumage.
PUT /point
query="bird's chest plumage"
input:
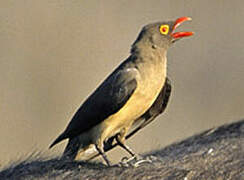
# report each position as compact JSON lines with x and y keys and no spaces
{"x":150,"y":80}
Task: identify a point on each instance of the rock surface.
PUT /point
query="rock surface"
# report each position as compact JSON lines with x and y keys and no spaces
{"x":214,"y":154}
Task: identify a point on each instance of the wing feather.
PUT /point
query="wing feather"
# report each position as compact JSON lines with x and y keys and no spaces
{"x":107,"y":99}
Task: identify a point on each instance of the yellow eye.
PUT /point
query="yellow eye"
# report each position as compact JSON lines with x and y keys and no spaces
{"x":164,"y":29}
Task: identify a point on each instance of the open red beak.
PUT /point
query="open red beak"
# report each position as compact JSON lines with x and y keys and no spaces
{"x":178,"y":22}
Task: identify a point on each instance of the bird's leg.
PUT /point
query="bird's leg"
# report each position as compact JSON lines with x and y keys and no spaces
{"x":121,"y":142}
{"x":101,"y":151}
{"x":135,"y":160}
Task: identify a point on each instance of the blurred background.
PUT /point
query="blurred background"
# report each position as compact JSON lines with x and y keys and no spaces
{"x":54,"y":53}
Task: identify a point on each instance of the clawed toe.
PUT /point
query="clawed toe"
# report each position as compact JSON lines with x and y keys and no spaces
{"x":134,"y":161}
{"x":141,"y":161}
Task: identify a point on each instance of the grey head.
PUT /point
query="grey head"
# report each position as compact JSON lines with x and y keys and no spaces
{"x":160,"y":34}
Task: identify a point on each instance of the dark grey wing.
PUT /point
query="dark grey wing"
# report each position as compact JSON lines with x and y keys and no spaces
{"x":107,"y":99}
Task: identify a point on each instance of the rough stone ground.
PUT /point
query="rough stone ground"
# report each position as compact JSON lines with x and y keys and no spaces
{"x":214,"y":154}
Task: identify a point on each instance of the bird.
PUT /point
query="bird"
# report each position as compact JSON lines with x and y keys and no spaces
{"x":127,"y":93}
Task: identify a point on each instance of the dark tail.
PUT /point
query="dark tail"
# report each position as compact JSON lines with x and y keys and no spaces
{"x":60,"y":138}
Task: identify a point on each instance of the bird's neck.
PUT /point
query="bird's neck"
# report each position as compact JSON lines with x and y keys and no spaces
{"x":154,"y":59}
{"x":149,"y":53}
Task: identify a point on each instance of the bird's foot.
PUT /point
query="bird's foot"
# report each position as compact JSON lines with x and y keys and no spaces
{"x":134,"y":161}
